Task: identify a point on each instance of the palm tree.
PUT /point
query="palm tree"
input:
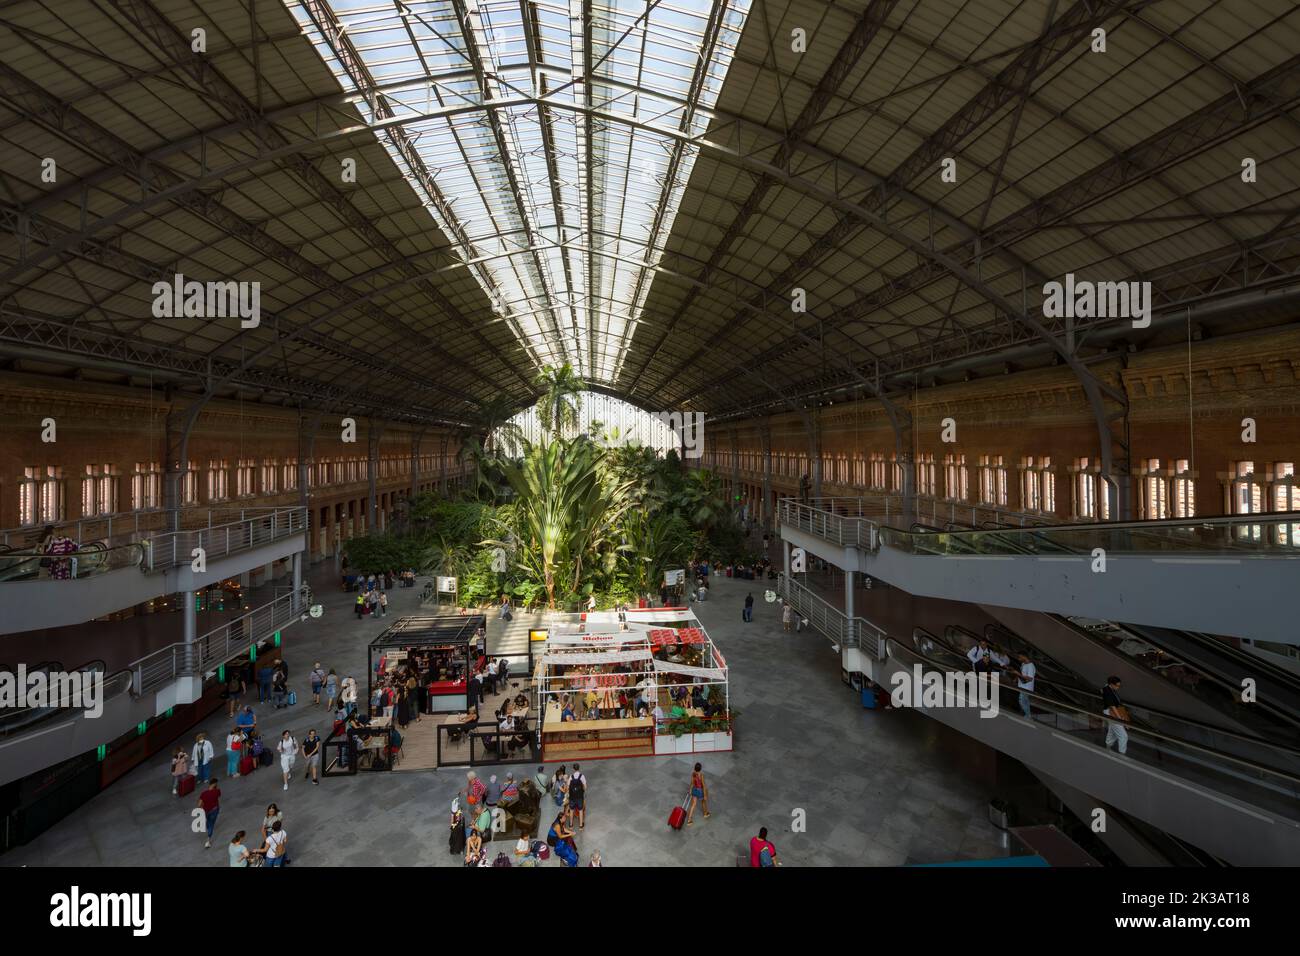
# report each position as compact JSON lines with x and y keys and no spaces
{"x":561,"y":401}
{"x":566,"y":511}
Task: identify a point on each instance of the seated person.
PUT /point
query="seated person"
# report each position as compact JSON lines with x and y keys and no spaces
{"x":509,"y":793}
{"x":593,"y":705}
{"x":566,"y":710}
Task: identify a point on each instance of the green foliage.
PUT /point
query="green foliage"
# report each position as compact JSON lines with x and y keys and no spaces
{"x":561,"y":401}
{"x":385,"y":552}
{"x":575,"y":516}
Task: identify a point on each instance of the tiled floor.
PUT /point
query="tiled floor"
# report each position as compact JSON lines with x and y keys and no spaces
{"x":873,"y":788}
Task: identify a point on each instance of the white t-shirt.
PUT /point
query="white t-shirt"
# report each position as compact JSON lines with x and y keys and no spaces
{"x":1027,"y":674}
{"x":275,"y":844}
{"x":288,"y":748}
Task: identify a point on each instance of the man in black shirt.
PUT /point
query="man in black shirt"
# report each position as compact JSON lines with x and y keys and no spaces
{"x":748,"y":614}
{"x":1113,"y":709}
{"x":311,"y":752}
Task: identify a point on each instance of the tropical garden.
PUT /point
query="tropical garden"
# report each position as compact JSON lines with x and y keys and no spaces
{"x":552,"y":522}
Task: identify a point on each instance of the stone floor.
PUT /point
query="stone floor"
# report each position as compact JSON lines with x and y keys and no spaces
{"x":874,"y":788}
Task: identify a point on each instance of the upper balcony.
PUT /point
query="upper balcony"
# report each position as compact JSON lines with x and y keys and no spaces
{"x":1218,"y":575}
{"x":133,"y":563}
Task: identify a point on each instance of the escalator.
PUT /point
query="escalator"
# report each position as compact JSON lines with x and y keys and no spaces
{"x":31,"y":738}
{"x":1233,"y":796}
{"x":1216,"y":660}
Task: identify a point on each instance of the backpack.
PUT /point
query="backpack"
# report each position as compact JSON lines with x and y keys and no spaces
{"x":577,"y":787}
{"x":257,"y":746}
{"x":765,"y":857}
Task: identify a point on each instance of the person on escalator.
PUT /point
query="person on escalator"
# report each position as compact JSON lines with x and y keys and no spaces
{"x":1025,"y":675}
{"x":1116,"y":715}
{"x":986,"y":659}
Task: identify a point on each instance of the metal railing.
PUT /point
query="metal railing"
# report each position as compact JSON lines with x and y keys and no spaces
{"x":864,"y":522}
{"x":1257,"y":535}
{"x":218,"y":646}
{"x":1271,"y":787}
{"x":247,"y":530}
{"x":843,"y":529}
{"x":831,"y":621}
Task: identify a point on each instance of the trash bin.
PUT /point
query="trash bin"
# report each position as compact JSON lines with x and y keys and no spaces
{"x":1000,"y":813}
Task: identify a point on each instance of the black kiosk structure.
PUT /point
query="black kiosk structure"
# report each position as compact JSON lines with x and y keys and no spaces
{"x":440,"y":650}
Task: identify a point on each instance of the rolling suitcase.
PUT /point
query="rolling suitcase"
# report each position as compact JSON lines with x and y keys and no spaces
{"x":246,"y":766}
{"x":185,"y":785}
{"x":266,"y":758}
{"x":677,"y":819}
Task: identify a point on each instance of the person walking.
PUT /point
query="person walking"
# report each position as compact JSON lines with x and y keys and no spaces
{"x":234,"y":692}
{"x":234,"y":750}
{"x":505,"y":607}
{"x":1117,"y":715}
{"x":762,"y":852}
{"x":331,"y":689}
{"x":210,"y":803}
{"x":311,"y":751}
{"x":383,"y":604}
{"x":265,"y":676}
{"x":360,"y":605}
{"x":748,"y":614}
{"x":201,"y":757}
{"x":180,"y":767}
{"x":787,"y":616}
{"x":699,"y":794}
{"x":288,"y":748}
{"x":578,"y":796}
{"x":317,"y":678}
{"x":280,"y":688}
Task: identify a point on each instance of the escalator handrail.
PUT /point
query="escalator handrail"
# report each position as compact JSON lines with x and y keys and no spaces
{"x":1145,"y":708}
{"x":22,"y":720}
{"x":1136,"y":632}
{"x":1053,"y":705}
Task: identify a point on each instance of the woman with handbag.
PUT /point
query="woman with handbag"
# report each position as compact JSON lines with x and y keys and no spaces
{"x":180,"y":767}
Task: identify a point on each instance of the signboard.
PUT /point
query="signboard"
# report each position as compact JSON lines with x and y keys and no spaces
{"x":538,"y":635}
{"x":446,"y":585}
{"x":672,"y":578}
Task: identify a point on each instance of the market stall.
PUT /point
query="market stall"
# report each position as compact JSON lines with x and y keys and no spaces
{"x":438,"y":651}
{"x":635,"y":688}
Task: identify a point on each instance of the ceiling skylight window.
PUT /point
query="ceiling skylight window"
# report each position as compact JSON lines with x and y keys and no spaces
{"x":551,"y":141}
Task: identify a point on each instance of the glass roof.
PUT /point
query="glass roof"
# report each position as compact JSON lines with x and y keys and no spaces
{"x":561,"y":195}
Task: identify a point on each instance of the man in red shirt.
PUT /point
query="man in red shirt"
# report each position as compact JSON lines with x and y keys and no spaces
{"x":210,"y":802}
{"x":756,"y":847}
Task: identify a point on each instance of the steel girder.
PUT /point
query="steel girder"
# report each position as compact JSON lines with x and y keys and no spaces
{"x":864,"y":31}
{"x":57,"y":337}
{"x":1268,"y":261}
{"x":148,"y":18}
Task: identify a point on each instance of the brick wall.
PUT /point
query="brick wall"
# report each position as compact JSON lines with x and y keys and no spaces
{"x":1044,"y":412}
